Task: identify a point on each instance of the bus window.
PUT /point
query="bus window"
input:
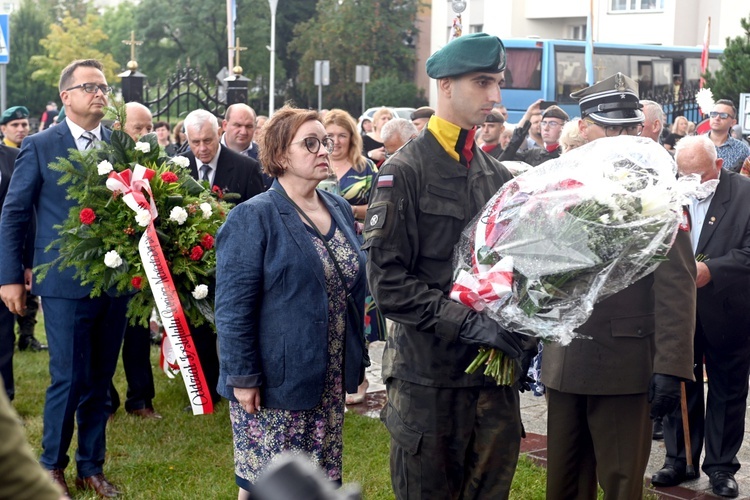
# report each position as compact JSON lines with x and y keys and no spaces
{"x":524,"y":69}
{"x":641,"y":66}
{"x":662,"y":76}
{"x":606,"y":65}
{"x":571,"y":75}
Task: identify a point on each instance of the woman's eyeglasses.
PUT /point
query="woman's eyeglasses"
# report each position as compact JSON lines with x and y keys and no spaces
{"x":313,"y":144}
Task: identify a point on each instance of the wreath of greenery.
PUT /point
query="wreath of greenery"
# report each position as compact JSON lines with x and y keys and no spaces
{"x":100,"y":236}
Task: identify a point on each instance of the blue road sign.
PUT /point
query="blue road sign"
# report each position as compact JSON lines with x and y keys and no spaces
{"x":4,"y":39}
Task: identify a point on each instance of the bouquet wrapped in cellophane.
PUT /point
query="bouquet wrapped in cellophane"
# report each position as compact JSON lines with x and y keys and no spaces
{"x":564,"y":235}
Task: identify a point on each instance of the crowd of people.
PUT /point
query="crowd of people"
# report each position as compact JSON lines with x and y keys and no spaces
{"x":306,"y":278}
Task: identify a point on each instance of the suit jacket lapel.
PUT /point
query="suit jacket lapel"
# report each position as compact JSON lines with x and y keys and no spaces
{"x":716,"y":211}
{"x":224,"y":170}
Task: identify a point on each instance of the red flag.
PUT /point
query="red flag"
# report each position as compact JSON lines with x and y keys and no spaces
{"x":704,"y":54}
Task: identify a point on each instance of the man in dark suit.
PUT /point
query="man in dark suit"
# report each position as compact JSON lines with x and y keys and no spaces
{"x":232,"y":173}
{"x":7,"y":320}
{"x":84,"y":333}
{"x":639,"y":349}
{"x":720,"y":232}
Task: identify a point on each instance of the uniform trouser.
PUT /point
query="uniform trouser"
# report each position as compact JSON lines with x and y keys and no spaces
{"x":27,"y":322}
{"x":136,"y":362}
{"x":722,"y":420}
{"x":590,"y":437}
{"x":84,"y":337}
{"x":204,"y":339}
{"x":451,"y":443}
{"x":7,"y":345}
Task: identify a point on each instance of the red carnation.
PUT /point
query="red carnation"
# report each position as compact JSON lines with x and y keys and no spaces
{"x":207,"y":241}
{"x":196,"y":253}
{"x":87,"y":216}
{"x":169,"y":177}
{"x":137,"y":281}
{"x":218,"y":192}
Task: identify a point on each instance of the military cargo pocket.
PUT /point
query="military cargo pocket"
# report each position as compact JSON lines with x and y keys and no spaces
{"x":406,"y":437}
{"x":406,"y":463}
{"x":441,"y":221}
{"x":634,"y":326}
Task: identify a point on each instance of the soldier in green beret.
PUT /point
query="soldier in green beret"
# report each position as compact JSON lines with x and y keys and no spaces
{"x":453,"y":435}
{"x":14,"y":124}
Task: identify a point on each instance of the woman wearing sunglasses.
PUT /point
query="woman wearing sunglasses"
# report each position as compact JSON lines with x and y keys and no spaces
{"x":289,"y":305}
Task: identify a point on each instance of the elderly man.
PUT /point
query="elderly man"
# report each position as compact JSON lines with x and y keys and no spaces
{"x":84,"y":333}
{"x":722,"y":118}
{"x":453,"y":435}
{"x":634,"y":349}
{"x":720,"y":233}
{"x":14,"y":125}
{"x":229,"y":172}
{"x":653,"y":120}
{"x":552,"y":122}
{"x":493,"y":128}
{"x":396,"y":133}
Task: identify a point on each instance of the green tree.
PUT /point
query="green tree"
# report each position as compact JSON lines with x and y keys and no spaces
{"x":390,"y":91}
{"x":734,"y":76}
{"x":28,"y":25}
{"x":349,"y":33}
{"x":66,"y":42}
{"x":117,"y":22}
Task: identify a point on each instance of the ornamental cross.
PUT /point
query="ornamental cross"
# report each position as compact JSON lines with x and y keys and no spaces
{"x":237,"y":50}
{"x":132,"y":42}
{"x":599,"y":67}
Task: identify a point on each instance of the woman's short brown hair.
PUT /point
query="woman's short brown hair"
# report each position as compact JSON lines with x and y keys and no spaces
{"x":277,"y":135}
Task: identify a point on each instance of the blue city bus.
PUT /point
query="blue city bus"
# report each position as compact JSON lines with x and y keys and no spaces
{"x":552,"y":69}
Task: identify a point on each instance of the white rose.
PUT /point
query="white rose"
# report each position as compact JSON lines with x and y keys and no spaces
{"x":206,"y":209}
{"x":200,"y":292}
{"x":104,"y":167}
{"x":181,"y":161}
{"x":143,"y":217}
{"x":178,"y":215}
{"x":112,"y":259}
{"x":143,"y":147}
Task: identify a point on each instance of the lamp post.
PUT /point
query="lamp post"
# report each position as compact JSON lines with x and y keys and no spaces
{"x":272,"y":78}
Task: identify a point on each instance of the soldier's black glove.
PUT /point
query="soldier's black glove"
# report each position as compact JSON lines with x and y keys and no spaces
{"x":480,"y":329}
{"x":527,"y":356}
{"x":663,"y":394}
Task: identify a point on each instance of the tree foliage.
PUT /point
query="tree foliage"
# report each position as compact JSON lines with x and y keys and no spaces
{"x":66,"y":42}
{"x":734,"y":76}
{"x":391,"y":91}
{"x":350,"y":33}
{"x":28,"y":25}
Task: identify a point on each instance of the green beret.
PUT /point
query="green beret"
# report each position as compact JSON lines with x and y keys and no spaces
{"x":555,"y":112}
{"x":477,"y":52}
{"x":14,"y":113}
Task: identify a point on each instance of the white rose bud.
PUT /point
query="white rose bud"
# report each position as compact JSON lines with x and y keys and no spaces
{"x":143,"y":217}
{"x":181,"y":161}
{"x":143,"y":147}
{"x":200,"y":292}
{"x":112,"y":259}
{"x":104,"y":167}
{"x":178,"y":215}
{"x":206,"y":209}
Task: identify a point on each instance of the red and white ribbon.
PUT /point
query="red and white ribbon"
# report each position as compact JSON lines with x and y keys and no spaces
{"x":484,"y":289}
{"x":132,"y":184}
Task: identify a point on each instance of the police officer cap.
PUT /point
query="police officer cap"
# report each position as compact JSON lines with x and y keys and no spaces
{"x":555,"y":112}
{"x":477,"y":52}
{"x":423,"y":112}
{"x":611,"y":101}
{"x":495,"y":116}
{"x":14,"y":113}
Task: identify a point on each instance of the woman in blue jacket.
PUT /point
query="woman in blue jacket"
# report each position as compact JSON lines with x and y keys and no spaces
{"x":289,"y":346}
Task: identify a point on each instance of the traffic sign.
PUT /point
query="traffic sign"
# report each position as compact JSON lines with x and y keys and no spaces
{"x":4,"y":39}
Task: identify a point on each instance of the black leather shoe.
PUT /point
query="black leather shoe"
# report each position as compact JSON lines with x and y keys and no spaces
{"x":724,"y":484}
{"x":669,"y":476}
{"x":25,"y":343}
{"x":658,"y":431}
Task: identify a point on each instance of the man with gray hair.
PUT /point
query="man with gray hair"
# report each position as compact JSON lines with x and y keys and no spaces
{"x":653,"y":122}
{"x":396,"y":133}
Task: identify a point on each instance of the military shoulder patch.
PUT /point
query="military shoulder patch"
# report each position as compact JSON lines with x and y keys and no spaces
{"x":385,"y":181}
{"x":376,"y":217}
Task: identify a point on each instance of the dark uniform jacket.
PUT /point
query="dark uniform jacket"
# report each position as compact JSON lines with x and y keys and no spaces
{"x":422,"y":202}
{"x":646,"y":328}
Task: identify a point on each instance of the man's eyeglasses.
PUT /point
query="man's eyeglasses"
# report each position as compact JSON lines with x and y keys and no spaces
{"x":723,"y":116}
{"x":91,"y":88}
{"x":313,"y":144}
{"x":615,"y":130}
{"x":550,"y":124}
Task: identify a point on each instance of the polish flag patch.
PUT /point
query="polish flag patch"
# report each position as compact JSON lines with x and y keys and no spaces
{"x":385,"y":181}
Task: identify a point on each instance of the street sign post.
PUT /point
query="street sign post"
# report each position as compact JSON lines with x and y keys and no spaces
{"x":362,"y":76}
{"x":322,"y":77}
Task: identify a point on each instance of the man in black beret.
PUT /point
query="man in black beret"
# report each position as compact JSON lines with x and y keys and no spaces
{"x":493,"y":128}
{"x":453,"y":435}
{"x":14,"y":124}
{"x":553,"y":119}
{"x":631,"y":354}
{"x":421,"y":116}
